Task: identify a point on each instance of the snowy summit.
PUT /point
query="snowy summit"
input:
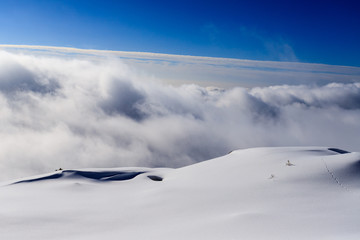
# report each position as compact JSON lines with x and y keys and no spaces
{"x":259,"y":193}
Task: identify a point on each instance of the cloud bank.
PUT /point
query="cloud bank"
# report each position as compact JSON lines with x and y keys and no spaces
{"x":75,"y":112}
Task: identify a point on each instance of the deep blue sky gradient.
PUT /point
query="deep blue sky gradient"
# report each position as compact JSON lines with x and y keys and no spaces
{"x":307,"y":31}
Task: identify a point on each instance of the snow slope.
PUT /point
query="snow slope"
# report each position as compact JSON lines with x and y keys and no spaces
{"x":259,"y":193}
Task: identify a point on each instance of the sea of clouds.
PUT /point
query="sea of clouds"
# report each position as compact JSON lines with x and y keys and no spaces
{"x":73,"y":112}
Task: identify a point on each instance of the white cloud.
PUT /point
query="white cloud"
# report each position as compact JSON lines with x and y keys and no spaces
{"x":95,"y":111}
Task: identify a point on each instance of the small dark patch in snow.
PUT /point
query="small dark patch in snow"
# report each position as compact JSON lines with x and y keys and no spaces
{"x":108,"y":176}
{"x":272,"y":176}
{"x":338,"y":150}
{"x":288,"y":163}
{"x":155,"y":178}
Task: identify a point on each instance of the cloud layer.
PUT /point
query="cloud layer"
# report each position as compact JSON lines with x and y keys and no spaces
{"x":73,"y":113}
{"x":208,"y":71}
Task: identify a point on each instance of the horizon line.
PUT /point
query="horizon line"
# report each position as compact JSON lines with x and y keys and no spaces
{"x":155,"y":55}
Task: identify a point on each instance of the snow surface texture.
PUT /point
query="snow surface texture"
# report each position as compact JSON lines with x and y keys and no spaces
{"x":87,"y":112}
{"x":259,"y":193}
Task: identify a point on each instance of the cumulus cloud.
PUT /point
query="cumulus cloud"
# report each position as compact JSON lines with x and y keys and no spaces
{"x":72,"y":112}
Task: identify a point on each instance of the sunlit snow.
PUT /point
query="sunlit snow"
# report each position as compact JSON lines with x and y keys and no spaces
{"x":258,"y":193}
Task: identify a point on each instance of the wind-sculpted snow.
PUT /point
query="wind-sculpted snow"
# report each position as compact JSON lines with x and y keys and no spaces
{"x":72,"y":112}
{"x":94,"y":175}
{"x":259,"y":193}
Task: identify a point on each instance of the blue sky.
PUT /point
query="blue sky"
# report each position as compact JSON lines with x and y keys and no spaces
{"x":306,"y":31}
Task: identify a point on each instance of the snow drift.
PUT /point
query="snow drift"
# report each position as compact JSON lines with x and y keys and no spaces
{"x":259,"y":193}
